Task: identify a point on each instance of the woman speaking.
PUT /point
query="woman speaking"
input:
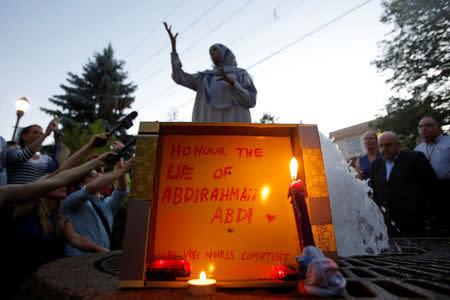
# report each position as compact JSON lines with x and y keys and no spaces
{"x":224,"y":94}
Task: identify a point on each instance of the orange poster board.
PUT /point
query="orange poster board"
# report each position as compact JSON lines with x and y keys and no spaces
{"x":216,"y":195}
{"x":222,"y":204}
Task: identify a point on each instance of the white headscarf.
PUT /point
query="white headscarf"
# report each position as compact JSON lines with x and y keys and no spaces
{"x":216,"y":91}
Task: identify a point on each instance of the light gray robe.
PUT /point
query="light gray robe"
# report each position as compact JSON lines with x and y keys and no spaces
{"x":231,"y":103}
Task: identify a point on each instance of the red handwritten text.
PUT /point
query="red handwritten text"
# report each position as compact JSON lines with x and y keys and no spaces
{"x":222,"y":173}
{"x":199,"y":150}
{"x":177,"y":195}
{"x":232,"y":214}
{"x":171,"y":254}
{"x":278,"y":256}
{"x":220,"y":254}
{"x":249,"y":153}
{"x":190,"y":254}
{"x":182,"y":172}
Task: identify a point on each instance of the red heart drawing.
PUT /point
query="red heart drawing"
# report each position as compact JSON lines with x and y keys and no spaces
{"x":270,"y":217}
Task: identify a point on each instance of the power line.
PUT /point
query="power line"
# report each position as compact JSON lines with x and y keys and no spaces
{"x":183,"y":104}
{"x":169,"y":92}
{"x":187,"y":28}
{"x":201,"y":16}
{"x":285,"y":5}
{"x":154,"y":29}
{"x":218,"y":26}
{"x":291,"y":8}
{"x":309,"y":34}
{"x":153,"y":74}
{"x":284,"y":10}
{"x":148,"y":59}
{"x":259,"y":26}
{"x":297,"y":40}
{"x":203,"y":37}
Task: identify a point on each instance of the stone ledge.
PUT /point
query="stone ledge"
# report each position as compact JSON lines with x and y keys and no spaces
{"x":78,"y":278}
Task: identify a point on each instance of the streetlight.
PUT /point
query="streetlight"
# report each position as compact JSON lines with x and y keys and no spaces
{"x":22,"y":104}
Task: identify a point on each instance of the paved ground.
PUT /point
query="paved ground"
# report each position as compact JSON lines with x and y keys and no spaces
{"x":414,"y":268}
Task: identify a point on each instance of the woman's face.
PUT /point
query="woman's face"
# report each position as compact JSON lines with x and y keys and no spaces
{"x":370,"y":141}
{"x":33,"y":134}
{"x":215,"y":54}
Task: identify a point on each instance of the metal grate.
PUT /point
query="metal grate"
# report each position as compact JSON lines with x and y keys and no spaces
{"x":401,"y":273}
{"x":110,"y":264}
{"x":406,"y":272}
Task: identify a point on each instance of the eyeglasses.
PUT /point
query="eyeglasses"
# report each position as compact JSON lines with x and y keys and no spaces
{"x":427,"y":125}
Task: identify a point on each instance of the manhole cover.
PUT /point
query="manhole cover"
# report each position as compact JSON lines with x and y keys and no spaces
{"x":110,"y":264}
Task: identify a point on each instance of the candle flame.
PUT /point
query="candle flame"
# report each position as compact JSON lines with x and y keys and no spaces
{"x":293,"y":168}
{"x":202,"y":276}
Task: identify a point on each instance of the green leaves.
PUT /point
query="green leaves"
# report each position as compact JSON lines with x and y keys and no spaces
{"x":416,"y":57}
{"x":99,"y":93}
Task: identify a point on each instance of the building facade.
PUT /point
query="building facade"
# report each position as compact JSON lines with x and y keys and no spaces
{"x":349,"y":140}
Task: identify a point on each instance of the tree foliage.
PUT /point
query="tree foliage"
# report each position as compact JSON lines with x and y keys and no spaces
{"x":80,"y":136}
{"x":268,"y":119}
{"x":172,"y":115}
{"x":416,"y":58}
{"x":99,"y":93}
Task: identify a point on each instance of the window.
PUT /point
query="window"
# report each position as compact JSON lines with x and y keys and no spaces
{"x":353,"y":146}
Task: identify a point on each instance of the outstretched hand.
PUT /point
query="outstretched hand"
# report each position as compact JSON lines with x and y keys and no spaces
{"x":173,"y":38}
{"x":52,"y":126}
{"x":224,"y":76}
{"x":107,"y":158}
{"x":100,"y":136}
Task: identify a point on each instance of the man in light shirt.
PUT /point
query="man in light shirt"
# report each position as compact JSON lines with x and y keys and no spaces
{"x":436,"y":148}
{"x":403,"y":184}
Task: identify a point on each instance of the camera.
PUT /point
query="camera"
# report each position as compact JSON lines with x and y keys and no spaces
{"x":113,"y":159}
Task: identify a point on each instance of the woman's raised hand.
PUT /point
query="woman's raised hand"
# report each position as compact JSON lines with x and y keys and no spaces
{"x":224,"y":76}
{"x":173,"y":38}
{"x":52,"y":126}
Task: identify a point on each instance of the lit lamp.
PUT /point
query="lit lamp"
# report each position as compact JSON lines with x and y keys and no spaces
{"x":22,"y":104}
{"x":202,"y":286}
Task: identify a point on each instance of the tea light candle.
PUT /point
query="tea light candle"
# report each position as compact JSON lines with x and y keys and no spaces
{"x":202,"y":286}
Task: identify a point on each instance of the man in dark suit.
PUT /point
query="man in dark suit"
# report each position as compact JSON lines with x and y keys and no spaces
{"x":403,"y":186}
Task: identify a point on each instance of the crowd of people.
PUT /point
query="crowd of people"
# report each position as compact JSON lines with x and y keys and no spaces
{"x":40,"y":222}
{"x":50,"y":209}
{"x":410,"y":187}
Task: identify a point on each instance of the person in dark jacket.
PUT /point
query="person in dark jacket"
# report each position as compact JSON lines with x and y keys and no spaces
{"x":403,"y":184}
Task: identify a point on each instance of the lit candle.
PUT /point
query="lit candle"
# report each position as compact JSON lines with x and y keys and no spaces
{"x":297,"y":195}
{"x":202,"y":286}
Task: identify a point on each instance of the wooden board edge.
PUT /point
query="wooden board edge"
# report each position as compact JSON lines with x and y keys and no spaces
{"x":131,"y":283}
{"x":226,"y":284}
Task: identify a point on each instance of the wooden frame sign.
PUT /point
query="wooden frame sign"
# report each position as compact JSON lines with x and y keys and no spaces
{"x":214,"y":197}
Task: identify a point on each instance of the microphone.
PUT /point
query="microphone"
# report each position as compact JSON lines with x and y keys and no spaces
{"x":113,"y":159}
{"x":58,"y":133}
{"x":126,"y":121}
